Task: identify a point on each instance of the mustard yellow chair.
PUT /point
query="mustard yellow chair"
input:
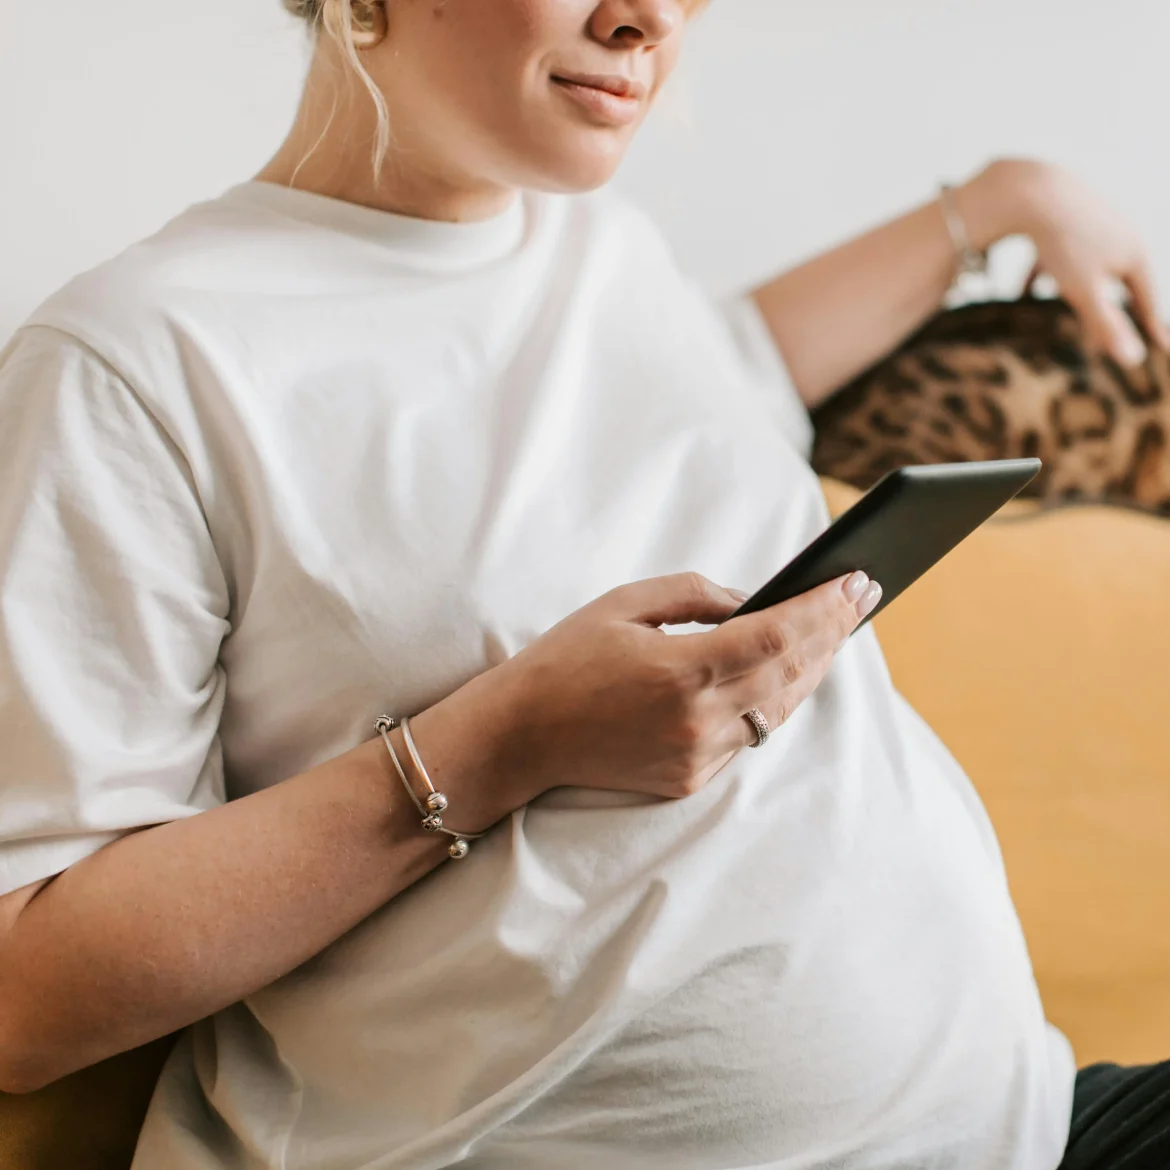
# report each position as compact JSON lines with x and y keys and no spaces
{"x":1039,"y":651}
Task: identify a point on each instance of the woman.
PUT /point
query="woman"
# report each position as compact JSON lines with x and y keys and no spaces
{"x":429,"y":438}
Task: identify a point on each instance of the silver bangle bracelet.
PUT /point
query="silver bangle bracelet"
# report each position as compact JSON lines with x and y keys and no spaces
{"x":971,"y":260}
{"x":417,"y":761}
{"x":435,"y":803}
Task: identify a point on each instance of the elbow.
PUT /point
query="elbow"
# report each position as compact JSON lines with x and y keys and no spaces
{"x":19,"y":1083}
{"x":17,"y":1079}
{"x":22,"y":1069}
{"x":20,"y":1077}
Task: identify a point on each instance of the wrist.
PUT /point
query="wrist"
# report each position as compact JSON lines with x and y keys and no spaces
{"x":465,"y":743}
{"x":1002,"y":200}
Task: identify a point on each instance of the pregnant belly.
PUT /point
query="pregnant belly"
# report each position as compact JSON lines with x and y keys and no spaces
{"x":737,"y":999}
{"x":744,"y":1067}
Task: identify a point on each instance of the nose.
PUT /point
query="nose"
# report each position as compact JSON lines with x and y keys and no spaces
{"x":628,"y":24}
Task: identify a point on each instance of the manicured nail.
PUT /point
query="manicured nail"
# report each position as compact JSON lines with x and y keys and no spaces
{"x":1132,"y":350}
{"x":856,"y":586}
{"x":870,"y":601}
{"x":738,"y":594}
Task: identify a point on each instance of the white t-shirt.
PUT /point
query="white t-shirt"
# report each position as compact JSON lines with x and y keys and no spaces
{"x":293,"y":463}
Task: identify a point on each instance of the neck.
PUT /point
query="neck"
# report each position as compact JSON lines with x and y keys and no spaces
{"x":329,"y":151}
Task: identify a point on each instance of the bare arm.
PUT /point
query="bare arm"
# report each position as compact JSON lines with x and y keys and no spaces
{"x":839,"y":313}
{"x":175,"y":922}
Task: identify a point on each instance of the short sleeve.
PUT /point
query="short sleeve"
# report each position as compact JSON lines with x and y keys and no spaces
{"x":766,"y":367}
{"x":112,"y":610}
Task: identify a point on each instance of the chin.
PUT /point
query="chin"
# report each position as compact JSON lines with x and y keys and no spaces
{"x":573,"y":179}
{"x":574,"y":168}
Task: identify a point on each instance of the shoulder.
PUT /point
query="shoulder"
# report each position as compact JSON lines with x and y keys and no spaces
{"x":125,"y":310}
{"x":115,"y":345}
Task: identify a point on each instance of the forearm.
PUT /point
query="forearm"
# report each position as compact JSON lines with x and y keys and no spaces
{"x":173,"y":923}
{"x":837,"y":314}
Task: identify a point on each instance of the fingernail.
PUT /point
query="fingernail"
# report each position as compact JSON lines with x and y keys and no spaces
{"x":738,"y":595}
{"x":855,"y":586}
{"x":1132,"y":350}
{"x":870,"y":601}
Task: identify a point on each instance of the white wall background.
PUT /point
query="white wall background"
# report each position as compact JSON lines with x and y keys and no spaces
{"x":794,"y":123}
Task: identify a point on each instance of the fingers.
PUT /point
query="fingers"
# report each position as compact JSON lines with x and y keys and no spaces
{"x":742,"y":646}
{"x":1124,"y":342}
{"x":1109,"y":328}
{"x":1140,"y":283}
{"x":1105,"y":323}
{"x":673,"y":600}
{"x":777,"y":687}
{"x":777,"y":707}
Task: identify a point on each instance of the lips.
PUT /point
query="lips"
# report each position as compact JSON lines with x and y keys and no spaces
{"x":604,"y":99}
{"x":612,"y":83}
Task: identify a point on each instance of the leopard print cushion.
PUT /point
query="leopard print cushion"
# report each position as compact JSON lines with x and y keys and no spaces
{"x":999,"y":380}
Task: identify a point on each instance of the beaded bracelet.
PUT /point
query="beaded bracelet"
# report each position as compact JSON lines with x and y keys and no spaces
{"x":435,"y":803}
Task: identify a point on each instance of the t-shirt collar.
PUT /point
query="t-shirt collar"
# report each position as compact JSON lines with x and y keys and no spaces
{"x":427,"y":242}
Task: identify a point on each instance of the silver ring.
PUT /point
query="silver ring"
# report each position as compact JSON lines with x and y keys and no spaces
{"x":756,"y":718}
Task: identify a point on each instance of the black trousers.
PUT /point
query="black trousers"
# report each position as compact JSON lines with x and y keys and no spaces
{"x":1121,"y":1119}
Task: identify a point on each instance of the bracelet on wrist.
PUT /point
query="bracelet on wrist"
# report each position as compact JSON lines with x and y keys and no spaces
{"x":970,"y":260}
{"x":432,"y":804}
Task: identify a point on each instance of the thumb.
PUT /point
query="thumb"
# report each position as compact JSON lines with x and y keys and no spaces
{"x":673,"y":600}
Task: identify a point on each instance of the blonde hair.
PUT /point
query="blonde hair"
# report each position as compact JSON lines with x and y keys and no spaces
{"x":342,"y":21}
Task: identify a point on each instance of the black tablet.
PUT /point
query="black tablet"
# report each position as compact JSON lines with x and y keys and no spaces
{"x":903,"y":525}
